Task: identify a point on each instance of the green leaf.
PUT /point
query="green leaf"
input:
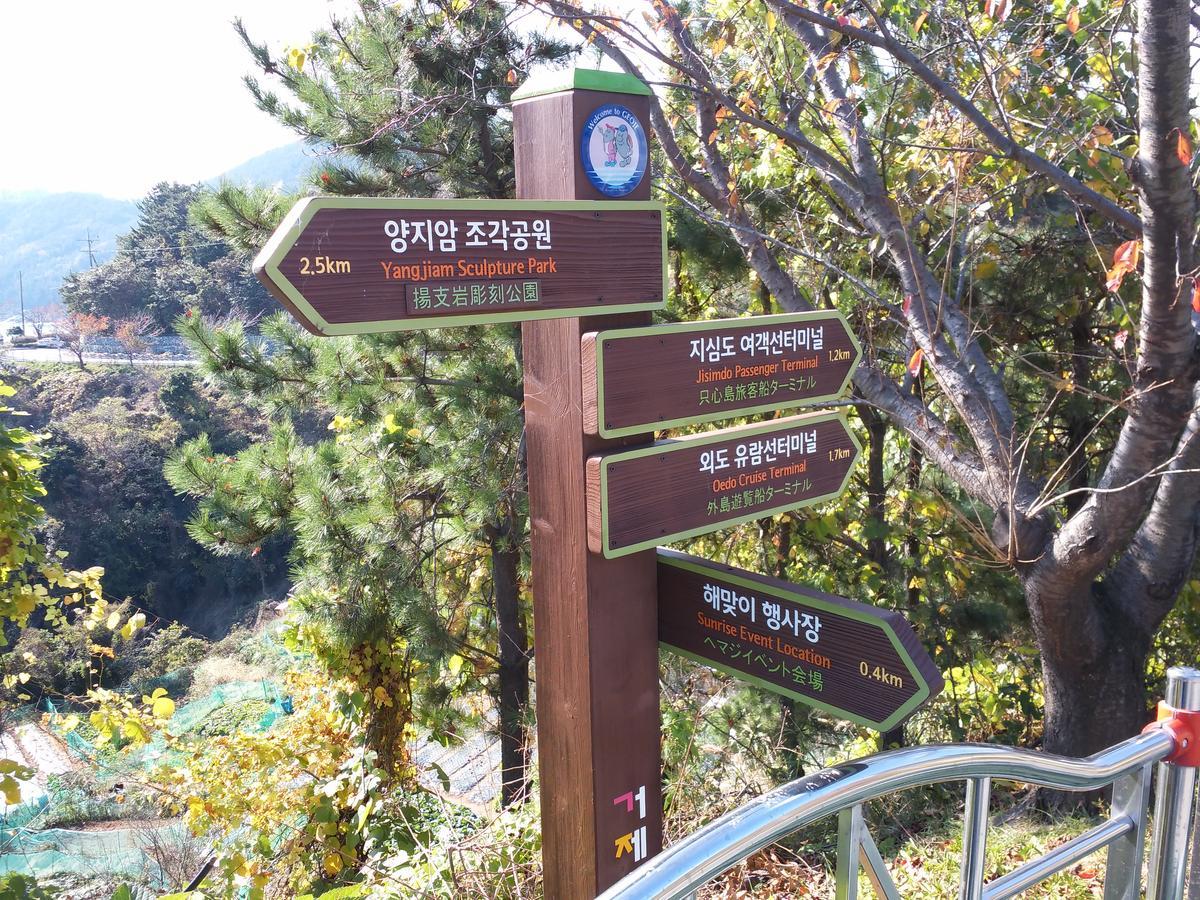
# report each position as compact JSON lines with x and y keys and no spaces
{"x":346,"y":892}
{"x":443,"y":778}
{"x":11,"y":789}
{"x":163,"y":708}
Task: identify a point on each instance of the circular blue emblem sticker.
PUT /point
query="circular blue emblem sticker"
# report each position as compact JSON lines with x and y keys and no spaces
{"x":614,"y":150}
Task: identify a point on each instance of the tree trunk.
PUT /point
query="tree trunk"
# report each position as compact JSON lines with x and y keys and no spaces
{"x":777,"y":535}
{"x":494,"y":188}
{"x":912,"y":544}
{"x":1093,"y":678}
{"x":513,"y":639}
{"x":791,"y":736}
{"x":1094,"y":698}
{"x":877,"y":550}
{"x":1095,"y":635}
{"x":877,"y":428}
{"x":1080,"y":424}
{"x":764,"y":298}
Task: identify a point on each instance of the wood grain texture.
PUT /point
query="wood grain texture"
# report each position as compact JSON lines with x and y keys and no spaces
{"x":590,"y":384}
{"x":732,"y":629}
{"x":684,"y":487}
{"x":590,"y":258}
{"x":672,"y":375}
{"x":595,"y":619}
{"x":560,"y":175}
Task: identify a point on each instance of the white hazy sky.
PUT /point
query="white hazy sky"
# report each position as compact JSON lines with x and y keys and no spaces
{"x":113,"y":96}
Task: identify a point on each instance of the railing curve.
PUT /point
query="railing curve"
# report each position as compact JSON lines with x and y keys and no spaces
{"x":763,"y":821}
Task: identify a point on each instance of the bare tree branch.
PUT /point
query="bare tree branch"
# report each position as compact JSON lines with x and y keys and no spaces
{"x":988,"y":417}
{"x":1162,"y":388}
{"x":1161,"y":554}
{"x":1116,"y":214}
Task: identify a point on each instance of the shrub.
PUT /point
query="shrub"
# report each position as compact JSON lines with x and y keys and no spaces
{"x":243,"y":716}
{"x":166,"y":650}
{"x":15,"y":886}
{"x":218,"y":670}
{"x":79,"y":797}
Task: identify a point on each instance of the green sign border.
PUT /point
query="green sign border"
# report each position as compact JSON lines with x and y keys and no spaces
{"x":266,"y":264}
{"x":715,"y":437}
{"x":902,"y":713}
{"x":743,"y":322}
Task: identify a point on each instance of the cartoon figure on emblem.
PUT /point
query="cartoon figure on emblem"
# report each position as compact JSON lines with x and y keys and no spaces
{"x":608,"y":135}
{"x":624,"y":145}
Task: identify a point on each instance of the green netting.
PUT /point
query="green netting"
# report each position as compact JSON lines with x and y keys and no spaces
{"x":247,"y":705}
{"x":122,"y":852}
{"x":58,"y":851}
{"x":238,"y":705}
{"x":20,"y":815}
{"x":189,"y":717}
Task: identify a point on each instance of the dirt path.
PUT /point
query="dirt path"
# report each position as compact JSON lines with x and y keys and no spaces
{"x":44,"y":751}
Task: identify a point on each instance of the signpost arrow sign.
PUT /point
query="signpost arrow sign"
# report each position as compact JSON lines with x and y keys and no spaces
{"x":681,"y":488}
{"x":636,"y":379}
{"x":359,"y":265}
{"x":853,"y":661}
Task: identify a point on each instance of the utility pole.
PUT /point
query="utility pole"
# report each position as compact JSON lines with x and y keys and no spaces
{"x":21,"y":294}
{"x":91,"y":253}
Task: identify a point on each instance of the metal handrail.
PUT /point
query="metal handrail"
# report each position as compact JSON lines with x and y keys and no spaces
{"x":765,"y":820}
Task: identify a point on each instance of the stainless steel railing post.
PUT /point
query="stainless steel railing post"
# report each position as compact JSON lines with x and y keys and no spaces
{"x":974,"y":839}
{"x":850,"y":832}
{"x":1131,"y":800}
{"x":1173,"y":801}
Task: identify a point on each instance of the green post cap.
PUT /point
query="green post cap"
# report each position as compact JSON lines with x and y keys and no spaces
{"x":580,"y":80}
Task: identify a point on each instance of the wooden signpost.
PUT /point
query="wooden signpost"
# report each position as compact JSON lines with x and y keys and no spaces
{"x":565,"y":249}
{"x":681,"y":488}
{"x":602,"y":496}
{"x":669,"y":375}
{"x":363,"y":265}
{"x":595,"y":633}
{"x":853,"y":661}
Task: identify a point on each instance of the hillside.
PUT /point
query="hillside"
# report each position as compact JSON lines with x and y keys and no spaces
{"x":44,"y":235}
{"x":284,"y":167}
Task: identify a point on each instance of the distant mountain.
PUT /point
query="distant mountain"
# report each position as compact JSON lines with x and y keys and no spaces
{"x":284,"y":167}
{"x":44,"y":235}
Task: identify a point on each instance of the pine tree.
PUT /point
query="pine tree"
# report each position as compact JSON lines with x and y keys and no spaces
{"x":411,"y":521}
{"x":164,"y":265}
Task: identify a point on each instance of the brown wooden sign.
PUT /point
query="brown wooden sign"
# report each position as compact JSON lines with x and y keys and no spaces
{"x":358,"y":265}
{"x":681,"y":488}
{"x":853,"y":661}
{"x":668,"y":375}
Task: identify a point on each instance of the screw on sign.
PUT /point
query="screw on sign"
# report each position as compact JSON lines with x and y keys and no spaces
{"x":666,"y":376}
{"x":853,"y":661}
{"x":686,"y":487}
{"x":359,"y":265}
